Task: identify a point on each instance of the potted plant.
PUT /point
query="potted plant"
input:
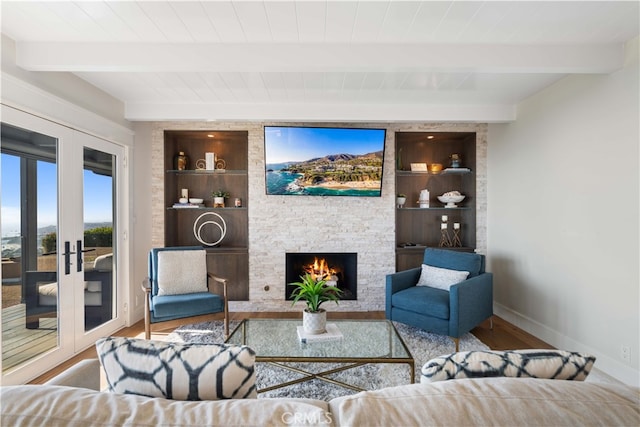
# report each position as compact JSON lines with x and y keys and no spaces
{"x":401,"y":199}
{"x":314,"y":293}
{"x":218,"y":198}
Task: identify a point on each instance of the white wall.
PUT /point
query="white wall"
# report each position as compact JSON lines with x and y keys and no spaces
{"x":141,"y":217}
{"x":563,"y":224}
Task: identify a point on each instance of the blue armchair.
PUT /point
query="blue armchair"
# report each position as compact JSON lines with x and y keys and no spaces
{"x":454,"y":312}
{"x":178,"y":287}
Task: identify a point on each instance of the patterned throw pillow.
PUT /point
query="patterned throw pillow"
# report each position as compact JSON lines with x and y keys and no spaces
{"x":177,"y":371}
{"x":441,"y":278}
{"x":550,"y":364}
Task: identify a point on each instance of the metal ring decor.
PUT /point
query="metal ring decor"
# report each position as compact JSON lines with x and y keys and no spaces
{"x":197,"y":229}
{"x":201,"y":164}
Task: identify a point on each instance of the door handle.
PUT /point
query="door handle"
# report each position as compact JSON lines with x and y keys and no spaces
{"x":79,"y":259}
{"x":67,"y":257}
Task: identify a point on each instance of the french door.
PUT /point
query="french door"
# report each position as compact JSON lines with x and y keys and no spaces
{"x":61,"y":239}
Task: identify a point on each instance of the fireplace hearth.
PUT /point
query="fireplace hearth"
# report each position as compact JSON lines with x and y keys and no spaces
{"x":338,"y":267}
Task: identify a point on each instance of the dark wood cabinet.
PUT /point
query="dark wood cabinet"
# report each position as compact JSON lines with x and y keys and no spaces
{"x":230,"y":258}
{"x":419,"y":227}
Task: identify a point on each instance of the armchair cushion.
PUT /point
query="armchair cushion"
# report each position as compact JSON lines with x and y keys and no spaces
{"x":93,"y":286}
{"x":548,"y":364}
{"x":423,"y":299}
{"x":186,"y":305}
{"x":182,"y":272}
{"x":440,"y":278}
{"x":176,"y":370}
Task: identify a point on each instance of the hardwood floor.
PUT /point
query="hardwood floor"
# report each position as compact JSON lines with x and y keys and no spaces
{"x":19,"y":343}
{"x":503,"y":336}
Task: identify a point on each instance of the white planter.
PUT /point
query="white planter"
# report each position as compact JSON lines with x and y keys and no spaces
{"x":218,"y":202}
{"x":400,"y":201}
{"x":314,"y":323}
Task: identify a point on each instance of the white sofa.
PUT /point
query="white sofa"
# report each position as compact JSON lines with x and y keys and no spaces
{"x":73,"y":399}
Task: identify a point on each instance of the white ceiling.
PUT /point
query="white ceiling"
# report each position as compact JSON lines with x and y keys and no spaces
{"x":321,"y":60}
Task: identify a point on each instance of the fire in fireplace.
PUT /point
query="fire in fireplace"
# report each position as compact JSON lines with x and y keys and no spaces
{"x":338,"y":269}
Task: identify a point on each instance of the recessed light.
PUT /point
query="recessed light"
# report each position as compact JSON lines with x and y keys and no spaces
{"x":210,"y":135}
{"x":430,"y":136}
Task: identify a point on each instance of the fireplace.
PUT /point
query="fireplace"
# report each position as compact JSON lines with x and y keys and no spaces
{"x":340,"y":267}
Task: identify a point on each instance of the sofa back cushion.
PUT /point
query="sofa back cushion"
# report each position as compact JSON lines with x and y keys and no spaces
{"x":454,"y":260}
{"x":177,"y":371}
{"x":490,"y":402}
{"x":37,"y":405}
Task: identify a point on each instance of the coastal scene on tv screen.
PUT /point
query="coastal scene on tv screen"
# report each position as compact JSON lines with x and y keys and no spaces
{"x":317,"y":161}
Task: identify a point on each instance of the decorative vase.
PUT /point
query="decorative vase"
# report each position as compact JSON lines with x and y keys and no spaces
{"x":456,"y":159}
{"x":181,"y":161}
{"x":314,"y":323}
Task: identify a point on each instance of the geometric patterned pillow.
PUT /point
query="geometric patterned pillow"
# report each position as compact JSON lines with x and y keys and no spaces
{"x":179,"y":371}
{"x":550,"y":364}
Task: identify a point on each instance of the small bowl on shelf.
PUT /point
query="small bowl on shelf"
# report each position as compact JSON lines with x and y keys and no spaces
{"x":195,"y":201}
{"x":450,"y":201}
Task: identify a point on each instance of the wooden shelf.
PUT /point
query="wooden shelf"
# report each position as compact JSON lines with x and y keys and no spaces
{"x":433,"y":209}
{"x":208,"y":208}
{"x":422,"y":225}
{"x":421,"y":248}
{"x":443,"y":172}
{"x":231,"y":258}
{"x":208,"y":172}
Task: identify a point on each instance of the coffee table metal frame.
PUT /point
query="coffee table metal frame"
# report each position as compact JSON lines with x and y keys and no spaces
{"x":239,"y":336}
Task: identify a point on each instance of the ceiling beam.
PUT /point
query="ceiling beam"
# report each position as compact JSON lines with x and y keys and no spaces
{"x":321,"y":112}
{"x":319,"y":57}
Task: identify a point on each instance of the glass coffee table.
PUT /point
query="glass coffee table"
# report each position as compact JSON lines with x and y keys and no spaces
{"x":364,"y":341}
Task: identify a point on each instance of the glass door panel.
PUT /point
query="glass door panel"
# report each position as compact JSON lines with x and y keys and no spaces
{"x":99,"y":190}
{"x":59,"y":243}
{"x":29,"y":225}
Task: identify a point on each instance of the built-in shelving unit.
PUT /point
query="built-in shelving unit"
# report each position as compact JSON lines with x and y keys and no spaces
{"x":230,"y":258}
{"x":422,"y":226}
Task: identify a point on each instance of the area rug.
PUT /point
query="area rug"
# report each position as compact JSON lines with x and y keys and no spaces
{"x":423,"y":346}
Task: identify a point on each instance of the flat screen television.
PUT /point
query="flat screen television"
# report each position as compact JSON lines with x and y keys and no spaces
{"x":323,"y":161}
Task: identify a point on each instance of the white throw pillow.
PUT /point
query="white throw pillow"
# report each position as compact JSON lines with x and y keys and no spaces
{"x":441,"y":278}
{"x":178,"y":371}
{"x":182,"y":272}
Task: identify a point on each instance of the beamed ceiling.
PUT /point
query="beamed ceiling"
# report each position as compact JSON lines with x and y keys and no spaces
{"x":321,"y":60}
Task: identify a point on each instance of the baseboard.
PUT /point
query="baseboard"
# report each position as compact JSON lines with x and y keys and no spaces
{"x":604,"y":363}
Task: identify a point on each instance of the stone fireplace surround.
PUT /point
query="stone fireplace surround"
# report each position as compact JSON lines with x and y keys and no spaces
{"x":281,"y":224}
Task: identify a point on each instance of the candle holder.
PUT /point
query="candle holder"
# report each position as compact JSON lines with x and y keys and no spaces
{"x":457,"y":242}
{"x":445,"y":240}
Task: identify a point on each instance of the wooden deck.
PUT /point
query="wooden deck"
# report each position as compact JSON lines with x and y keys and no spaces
{"x":20,"y":344}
